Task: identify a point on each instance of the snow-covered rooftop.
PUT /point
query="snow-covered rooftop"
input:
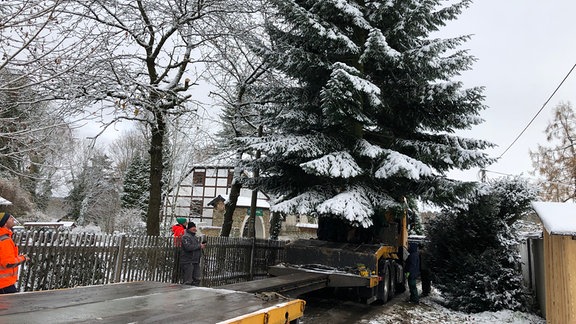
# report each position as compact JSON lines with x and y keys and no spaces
{"x":306,"y":225}
{"x":48,"y":224}
{"x":5,"y":201}
{"x":247,"y":202}
{"x":558,"y":218}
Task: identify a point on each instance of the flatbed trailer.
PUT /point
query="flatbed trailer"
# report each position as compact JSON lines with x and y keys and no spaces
{"x":147,"y":302}
{"x":290,"y":284}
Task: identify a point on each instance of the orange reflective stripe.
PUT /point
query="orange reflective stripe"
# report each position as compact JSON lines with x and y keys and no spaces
{"x":6,"y":275}
{"x":5,"y":269}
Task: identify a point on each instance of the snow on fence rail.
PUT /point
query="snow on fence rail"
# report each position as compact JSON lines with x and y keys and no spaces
{"x":64,"y":260}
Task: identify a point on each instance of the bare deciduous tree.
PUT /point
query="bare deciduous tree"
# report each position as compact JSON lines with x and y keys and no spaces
{"x":34,"y":40}
{"x":557,"y":162}
{"x":243,"y":81}
{"x":148,"y":60}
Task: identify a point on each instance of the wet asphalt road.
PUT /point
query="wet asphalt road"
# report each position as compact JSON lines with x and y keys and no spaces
{"x":323,"y":308}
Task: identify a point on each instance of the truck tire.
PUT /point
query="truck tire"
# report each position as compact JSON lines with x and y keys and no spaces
{"x":392,"y":291}
{"x":401,"y":284}
{"x":384,"y":285}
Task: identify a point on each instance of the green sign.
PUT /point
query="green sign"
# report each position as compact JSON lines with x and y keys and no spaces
{"x":259,"y":211}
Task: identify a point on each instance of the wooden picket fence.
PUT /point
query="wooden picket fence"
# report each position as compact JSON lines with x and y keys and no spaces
{"x":64,"y":260}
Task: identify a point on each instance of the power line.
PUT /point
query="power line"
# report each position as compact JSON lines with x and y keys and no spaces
{"x":539,"y":111}
{"x":531,"y":178}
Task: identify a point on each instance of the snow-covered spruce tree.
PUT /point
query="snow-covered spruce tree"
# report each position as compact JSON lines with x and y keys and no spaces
{"x":371,"y":115}
{"x":416,"y":227}
{"x":136,"y":187}
{"x":95,"y":194}
{"x":473,"y":248}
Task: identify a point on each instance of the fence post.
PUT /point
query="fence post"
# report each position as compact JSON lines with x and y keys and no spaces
{"x":252,"y":252}
{"x":119,"y":258}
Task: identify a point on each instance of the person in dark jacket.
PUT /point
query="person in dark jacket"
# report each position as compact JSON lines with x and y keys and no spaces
{"x":190,"y":256}
{"x":413,"y":271}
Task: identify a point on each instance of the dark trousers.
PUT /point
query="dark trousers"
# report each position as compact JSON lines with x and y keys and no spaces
{"x":190,"y":273}
{"x":414,"y":298}
{"x":426,"y":281}
{"x":9,"y":290}
{"x":176,"y":269}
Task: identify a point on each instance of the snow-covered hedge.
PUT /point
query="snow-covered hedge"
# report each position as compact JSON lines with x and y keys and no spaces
{"x":474,"y":258}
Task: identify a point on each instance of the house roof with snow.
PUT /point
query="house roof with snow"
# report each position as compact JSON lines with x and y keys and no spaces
{"x":557,"y":218}
{"x":242,"y":201}
{"x":5,"y":201}
{"x":49,"y":224}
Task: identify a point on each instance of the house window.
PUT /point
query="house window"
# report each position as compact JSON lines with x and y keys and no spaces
{"x":196,"y":208}
{"x":198,"y":178}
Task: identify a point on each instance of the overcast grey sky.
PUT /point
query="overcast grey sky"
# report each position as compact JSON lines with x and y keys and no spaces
{"x":524,"y":50}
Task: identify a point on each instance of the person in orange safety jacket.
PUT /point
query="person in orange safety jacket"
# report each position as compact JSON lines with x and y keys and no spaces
{"x":9,"y":257}
{"x":178,"y":230}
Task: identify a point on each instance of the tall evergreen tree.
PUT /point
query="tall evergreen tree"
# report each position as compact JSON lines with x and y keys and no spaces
{"x":371,"y":115}
{"x":76,"y":196}
{"x":136,"y":185}
{"x":95,"y":196}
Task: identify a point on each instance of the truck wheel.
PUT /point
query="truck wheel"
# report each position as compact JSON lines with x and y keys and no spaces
{"x":392,"y":291}
{"x":384,"y":285}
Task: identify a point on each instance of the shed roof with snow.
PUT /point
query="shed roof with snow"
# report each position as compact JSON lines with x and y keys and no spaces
{"x":557,"y":218}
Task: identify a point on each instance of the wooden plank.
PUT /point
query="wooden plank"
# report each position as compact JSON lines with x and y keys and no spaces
{"x":142,"y":302}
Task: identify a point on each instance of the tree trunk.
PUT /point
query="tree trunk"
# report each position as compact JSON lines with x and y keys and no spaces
{"x":254,"y":201}
{"x":230,"y":207}
{"x":156,"y":166}
{"x":252,"y":219}
{"x":275,"y":225}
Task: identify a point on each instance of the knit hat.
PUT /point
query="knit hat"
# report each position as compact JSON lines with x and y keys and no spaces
{"x":181,"y":220}
{"x":4,"y":219}
{"x":191,"y":224}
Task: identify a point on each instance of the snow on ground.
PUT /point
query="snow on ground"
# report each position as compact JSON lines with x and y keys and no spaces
{"x":328,"y":309}
{"x":430,"y":311}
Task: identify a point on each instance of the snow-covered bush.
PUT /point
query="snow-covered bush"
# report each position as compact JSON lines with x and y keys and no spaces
{"x":90,"y":228}
{"x":473,"y":248}
{"x":129,"y":221}
{"x":11,"y":189}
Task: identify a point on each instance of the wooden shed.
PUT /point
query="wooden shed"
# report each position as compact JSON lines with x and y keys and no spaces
{"x":559,"y":220}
